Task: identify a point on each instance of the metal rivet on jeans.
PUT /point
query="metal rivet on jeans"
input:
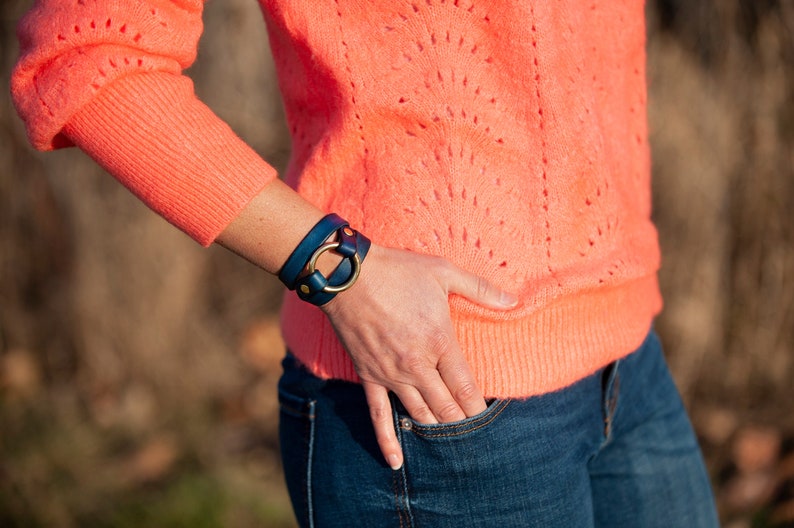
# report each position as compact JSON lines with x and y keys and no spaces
{"x":405,"y":423}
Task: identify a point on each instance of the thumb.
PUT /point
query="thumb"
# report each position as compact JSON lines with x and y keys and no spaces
{"x":480,"y":290}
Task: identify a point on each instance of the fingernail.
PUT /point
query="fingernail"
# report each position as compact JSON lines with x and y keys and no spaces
{"x":394,"y":462}
{"x":508,"y":299}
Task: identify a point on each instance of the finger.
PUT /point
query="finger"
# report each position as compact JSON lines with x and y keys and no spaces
{"x":432,"y":390}
{"x":441,"y":402}
{"x":380,"y":412}
{"x":431,"y":402}
{"x":415,"y":404}
{"x":460,"y":382}
{"x":479,"y":290}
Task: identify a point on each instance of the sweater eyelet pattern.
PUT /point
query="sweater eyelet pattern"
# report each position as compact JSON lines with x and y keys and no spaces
{"x":507,"y":137}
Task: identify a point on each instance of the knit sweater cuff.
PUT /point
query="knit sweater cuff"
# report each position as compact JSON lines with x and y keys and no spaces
{"x":151,"y":132}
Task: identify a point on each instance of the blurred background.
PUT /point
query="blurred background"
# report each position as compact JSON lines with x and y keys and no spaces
{"x":137,"y":370}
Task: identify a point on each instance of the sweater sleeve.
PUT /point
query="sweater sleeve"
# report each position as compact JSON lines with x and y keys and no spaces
{"x":107,"y":77}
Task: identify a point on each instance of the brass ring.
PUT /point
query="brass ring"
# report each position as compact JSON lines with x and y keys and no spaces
{"x":356,"y":263}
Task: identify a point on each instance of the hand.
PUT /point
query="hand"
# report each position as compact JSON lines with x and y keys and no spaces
{"x":395,"y":325}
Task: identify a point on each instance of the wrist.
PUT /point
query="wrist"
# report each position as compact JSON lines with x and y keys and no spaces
{"x":310,"y":269}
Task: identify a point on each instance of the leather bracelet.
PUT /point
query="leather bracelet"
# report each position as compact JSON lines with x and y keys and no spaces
{"x":296,"y":262}
{"x":313,"y":287}
{"x":317,"y":289}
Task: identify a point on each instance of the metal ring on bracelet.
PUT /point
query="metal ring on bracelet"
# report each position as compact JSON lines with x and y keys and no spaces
{"x":296,"y":263}
{"x":354,"y":271}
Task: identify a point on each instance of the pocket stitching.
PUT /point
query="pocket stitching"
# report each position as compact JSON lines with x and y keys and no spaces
{"x":443,"y":431}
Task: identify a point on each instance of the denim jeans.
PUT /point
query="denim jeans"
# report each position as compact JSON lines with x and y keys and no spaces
{"x":614,"y":450}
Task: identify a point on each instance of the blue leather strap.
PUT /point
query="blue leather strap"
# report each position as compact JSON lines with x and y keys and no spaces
{"x":297,"y":261}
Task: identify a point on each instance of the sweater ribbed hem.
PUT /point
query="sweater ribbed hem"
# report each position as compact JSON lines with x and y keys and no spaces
{"x":546,"y":351}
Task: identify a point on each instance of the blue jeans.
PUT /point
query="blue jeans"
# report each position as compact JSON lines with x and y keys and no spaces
{"x":614,"y":450}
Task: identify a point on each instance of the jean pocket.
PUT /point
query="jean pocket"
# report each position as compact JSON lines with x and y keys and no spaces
{"x":296,"y":436}
{"x":466,"y":426}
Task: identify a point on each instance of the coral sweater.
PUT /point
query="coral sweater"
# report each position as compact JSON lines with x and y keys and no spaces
{"x":507,"y":137}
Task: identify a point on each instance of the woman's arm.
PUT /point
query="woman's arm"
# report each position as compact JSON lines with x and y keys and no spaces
{"x":394,"y":322}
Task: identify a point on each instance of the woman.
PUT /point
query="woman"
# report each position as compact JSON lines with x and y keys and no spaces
{"x":483,"y":355}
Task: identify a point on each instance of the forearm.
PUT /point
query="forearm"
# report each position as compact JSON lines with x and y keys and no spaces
{"x":203,"y":179}
{"x":269,"y":228}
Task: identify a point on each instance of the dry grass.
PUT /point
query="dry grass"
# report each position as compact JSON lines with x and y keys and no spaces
{"x":136,"y":369}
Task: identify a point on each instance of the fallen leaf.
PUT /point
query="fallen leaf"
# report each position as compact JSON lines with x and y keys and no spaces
{"x":756,"y":448}
{"x":19,"y":373}
{"x":153,"y":460}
